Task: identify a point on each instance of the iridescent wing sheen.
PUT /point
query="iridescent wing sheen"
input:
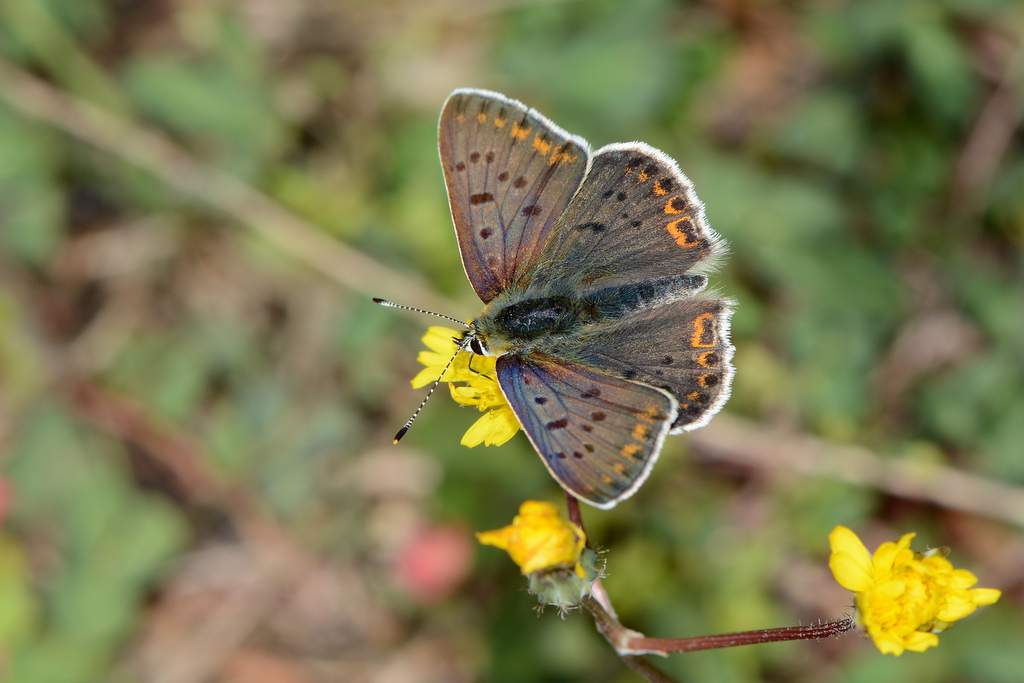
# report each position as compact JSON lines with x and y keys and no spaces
{"x":510,"y":174}
{"x":636,"y":217}
{"x":682,"y":348}
{"x":598,"y":435}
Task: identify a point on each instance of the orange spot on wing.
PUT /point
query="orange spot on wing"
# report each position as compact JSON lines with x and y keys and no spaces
{"x":642,"y":175}
{"x":703,"y":380}
{"x":700,"y":326}
{"x":619,"y":468}
{"x":499,"y":122}
{"x":562,"y":156}
{"x":659,"y":190}
{"x":702,"y":359}
{"x":683,"y":236}
{"x":520,"y":132}
{"x":541,"y":145}
{"x":693,"y":396}
{"x":461,"y":118}
{"x":481,"y":117}
{"x":673,"y":206}
{"x":651,"y":413}
{"x":629,"y":450}
{"x":606,"y":479}
{"x":640,"y":431}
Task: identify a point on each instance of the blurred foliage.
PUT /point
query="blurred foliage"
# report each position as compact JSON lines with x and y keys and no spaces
{"x":863,"y":159}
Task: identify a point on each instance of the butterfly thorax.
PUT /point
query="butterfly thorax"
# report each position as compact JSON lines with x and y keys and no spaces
{"x":513,"y":324}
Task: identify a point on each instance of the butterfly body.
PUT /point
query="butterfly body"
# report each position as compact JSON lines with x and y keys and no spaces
{"x":519,"y":322}
{"x":592,"y":268}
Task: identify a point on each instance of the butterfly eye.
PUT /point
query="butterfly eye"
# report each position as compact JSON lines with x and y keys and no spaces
{"x":477,"y":347}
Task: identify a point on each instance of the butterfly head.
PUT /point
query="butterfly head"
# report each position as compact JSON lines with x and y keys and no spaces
{"x":477,"y":344}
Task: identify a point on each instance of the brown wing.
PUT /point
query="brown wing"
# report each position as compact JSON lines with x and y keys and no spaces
{"x":682,"y":347}
{"x":636,"y":217}
{"x":598,"y":435}
{"x":510,"y":173}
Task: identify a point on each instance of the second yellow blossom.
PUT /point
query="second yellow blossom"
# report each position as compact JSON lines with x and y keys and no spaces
{"x":904,"y":599}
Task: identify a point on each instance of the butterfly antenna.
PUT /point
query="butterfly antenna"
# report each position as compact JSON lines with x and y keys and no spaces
{"x":391,"y":304}
{"x":412,"y":418}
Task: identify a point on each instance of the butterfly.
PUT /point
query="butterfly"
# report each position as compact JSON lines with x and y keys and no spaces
{"x":592,"y":270}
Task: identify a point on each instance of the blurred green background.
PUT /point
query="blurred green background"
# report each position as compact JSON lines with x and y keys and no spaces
{"x":197,"y":398}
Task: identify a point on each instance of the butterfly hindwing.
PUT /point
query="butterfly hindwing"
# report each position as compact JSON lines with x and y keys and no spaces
{"x":510,"y":173}
{"x":598,"y":435}
{"x":682,"y":348}
{"x":636,"y":217}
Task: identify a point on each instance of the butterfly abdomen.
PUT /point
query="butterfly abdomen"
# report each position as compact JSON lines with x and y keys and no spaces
{"x":620,"y":300}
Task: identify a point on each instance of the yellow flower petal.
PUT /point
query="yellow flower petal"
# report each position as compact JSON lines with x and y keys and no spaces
{"x":843,"y":540}
{"x":961,"y":578}
{"x":850,"y":561}
{"x":891,"y":589}
{"x":503,"y":426}
{"x":985,"y":596}
{"x":919,"y":641}
{"x":440,"y":339}
{"x":956,"y":607}
{"x":423,"y":378}
{"x":884,"y":557}
{"x":539,"y":539}
{"x":493,"y":428}
{"x":888,"y":645}
{"x":849,"y":573}
{"x":498,"y":538}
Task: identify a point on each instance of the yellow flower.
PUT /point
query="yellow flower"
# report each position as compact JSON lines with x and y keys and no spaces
{"x":539,"y":538}
{"x":473,"y":382}
{"x":904,"y":598}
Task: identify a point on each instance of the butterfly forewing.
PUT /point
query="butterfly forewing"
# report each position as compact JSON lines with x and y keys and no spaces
{"x":682,"y":347}
{"x":510,"y":173}
{"x":598,"y":435}
{"x":635,"y":217}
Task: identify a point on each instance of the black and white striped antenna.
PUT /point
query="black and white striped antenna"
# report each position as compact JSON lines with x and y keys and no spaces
{"x":462,"y":344}
{"x":412,"y":418}
{"x":387,"y":303}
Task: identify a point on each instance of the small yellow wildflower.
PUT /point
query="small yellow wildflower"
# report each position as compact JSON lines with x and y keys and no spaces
{"x":904,"y":598}
{"x":539,"y":539}
{"x":473,"y":382}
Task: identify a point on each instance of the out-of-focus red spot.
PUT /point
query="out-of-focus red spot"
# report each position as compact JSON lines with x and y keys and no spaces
{"x":5,"y":498}
{"x":433,"y":563}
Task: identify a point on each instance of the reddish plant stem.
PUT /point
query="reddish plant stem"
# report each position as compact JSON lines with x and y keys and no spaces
{"x":630,"y":645}
{"x":626,"y":641}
